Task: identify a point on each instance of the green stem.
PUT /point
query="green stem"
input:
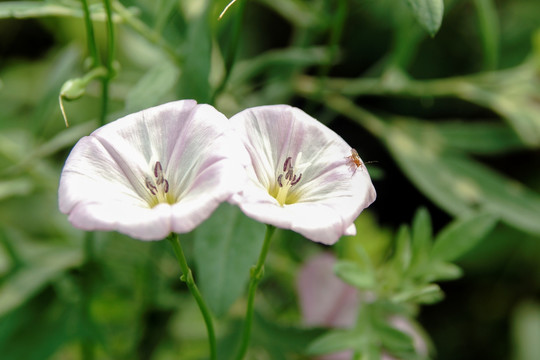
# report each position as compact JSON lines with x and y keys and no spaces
{"x":256,"y":275}
{"x":187,"y":277}
{"x":87,"y":343}
{"x":91,"y":39}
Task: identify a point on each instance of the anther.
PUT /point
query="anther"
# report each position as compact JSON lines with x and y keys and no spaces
{"x":150,"y":186}
{"x":287,"y":163}
{"x":158,"y":169}
{"x":166,"y":186}
{"x":295,"y":180}
{"x":279,"y":180}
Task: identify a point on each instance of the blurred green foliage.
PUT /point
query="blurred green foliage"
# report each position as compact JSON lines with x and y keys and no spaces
{"x":446,"y":97}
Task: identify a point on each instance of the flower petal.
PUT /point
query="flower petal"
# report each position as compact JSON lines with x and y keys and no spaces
{"x":329,"y":196}
{"x":104,"y":183}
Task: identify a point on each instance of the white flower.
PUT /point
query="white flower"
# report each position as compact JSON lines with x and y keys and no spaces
{"x":161,"y":170}
{"x":303,"y":176}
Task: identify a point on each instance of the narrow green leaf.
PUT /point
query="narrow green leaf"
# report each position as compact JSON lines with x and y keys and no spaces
{"x":442,"y":271}
{"x":526,"y":331}
{"x":27,"y":281}
{"x":152,"y":88}
{"x":461,"y":236}
{"x":424,"y":295}
{"x":458,"y":184}
{"x":195,"y":76}
{"x":421,"y":236}
{"x":337,"y":340}
{"x":488,"y":23}
{"x":352,"y":273}
{"x":31,"y":9}
{"x":478,"y":137}
{"x":15,"y":187}
{"x":293,"y":56}
{"x":428,"y":13}
{"x":26,"y":9}
{"x":402,"y":252}
{"x":226,"y":246}
{"x":394,"y":340}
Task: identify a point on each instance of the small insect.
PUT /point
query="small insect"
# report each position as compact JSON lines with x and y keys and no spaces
{"x":354,"y":161}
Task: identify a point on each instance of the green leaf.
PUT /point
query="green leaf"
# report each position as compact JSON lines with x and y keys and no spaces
{"x":15,"y":187}
{"x":526,"y":331}
{"x":428,"y":13}
{"x":352,"y":273}
{"x":24,"y":283}
{"x":293,"y":56}
{"x":26,"y":9}
{"x":395,"y":340}
{"x":461,"y":236}
{"x":488,"y":23}
{"x":423,"y":295}
{"x":459,"y":184}
{"x":421,"y":236}
{"x":477,"y":137}
{"x":31,"y":9}
{"x":337,"y":340}
{"x":402,"y":253}
{"x":226,"y":246}
{"x":282,"y":339}
{"x":440,"y":271}
{"x":195,"y":76}
{"x":152,"y":87}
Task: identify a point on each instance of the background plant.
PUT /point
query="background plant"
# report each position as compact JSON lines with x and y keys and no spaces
{"x":445,"y":97}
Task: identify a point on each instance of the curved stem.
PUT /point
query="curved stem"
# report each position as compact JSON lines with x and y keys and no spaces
{"x":187,"y":277}
{"x":87,"y":343}
{"x":256,"y":275}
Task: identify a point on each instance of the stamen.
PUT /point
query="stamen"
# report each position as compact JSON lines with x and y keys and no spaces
{"x":150,"y":186}
{"x":165,"y":186}
{"x":158,"y":169}
{"x":287,"y":163}
{"x":286,"y":180}
{"x":158,"y":187}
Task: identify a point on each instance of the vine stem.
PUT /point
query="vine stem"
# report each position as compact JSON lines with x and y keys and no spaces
{"x":91,"y":39}
{"x":187,"y":277}
{"x":257,"y":273}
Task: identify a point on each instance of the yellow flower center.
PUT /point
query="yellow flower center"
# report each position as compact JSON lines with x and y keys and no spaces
{"x":159,"y":188}
{"x":285,"y":181}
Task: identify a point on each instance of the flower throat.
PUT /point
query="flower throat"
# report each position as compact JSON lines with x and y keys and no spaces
{"x":285,"y":181}
{"x":159,"y":187}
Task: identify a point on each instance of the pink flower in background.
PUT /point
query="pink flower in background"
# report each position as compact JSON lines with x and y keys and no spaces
{"x":302,"y":175}
{"x":325,"y":300}
{"x":161,"y":170}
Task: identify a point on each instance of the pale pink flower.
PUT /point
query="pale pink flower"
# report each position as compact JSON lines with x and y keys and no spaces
{"x":161,"y":170}
{"x":302,"y":175}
